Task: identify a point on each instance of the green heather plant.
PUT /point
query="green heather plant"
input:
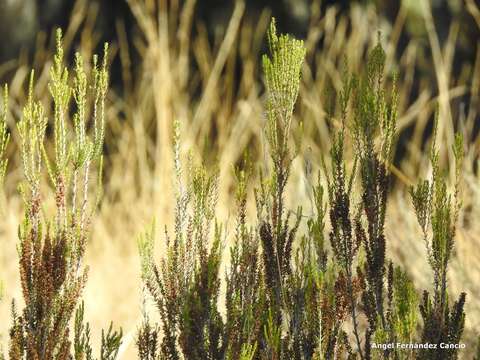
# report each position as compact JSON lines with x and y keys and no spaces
{"x":437,"y":213}
{"x":4,"y":135}
{"x":367,"y":286}
{"x":4,"y":139}
{"x":185,"y":286}
{"x":51,"y":250}
{"x":277,"y":233}
{"x":405,"y":309}
{"x":388,"y":297}
{"x":244,"y":282}
{"x":344,"y":246}
{"x":374,"y":117}
{"x":286,"y":297}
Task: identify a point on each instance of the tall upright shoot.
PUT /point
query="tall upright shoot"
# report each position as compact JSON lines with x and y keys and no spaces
{"x":282,"y":80}
{"x":51,"y":250}
{"x":4,"y":135}
{"x":437,"y":212}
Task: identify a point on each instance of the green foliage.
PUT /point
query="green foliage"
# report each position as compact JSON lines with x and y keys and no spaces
{"x":81,"y":342}
{"x":405,"y":306}
{"x":289,"y":295}
{"x":4,"y":139}
{"x":282,"y":80}
{"x":51,"y":250}
{"x":437,"y":213}
{"x":286,"y":297}
{"x":367,"y":285}
{"x":185,"y":286}
{"x":344,"y":246}
{"x":248,"y":352}
{"x":147,"y":341}
{"x":201,"y":328}
{"x":111,"y":340}
{"x":244,"y":283}
{"x":110,"y":345}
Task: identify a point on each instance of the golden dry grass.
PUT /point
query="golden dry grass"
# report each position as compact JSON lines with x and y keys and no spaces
{"x":162,"y":88}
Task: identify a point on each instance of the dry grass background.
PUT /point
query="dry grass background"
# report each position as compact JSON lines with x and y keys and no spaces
{"x":221,"y":114}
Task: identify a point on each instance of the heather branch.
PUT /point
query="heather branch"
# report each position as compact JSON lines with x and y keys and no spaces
{"x":437,"y":214}
{"x":4,"y":135}
{"x":51,"y":252}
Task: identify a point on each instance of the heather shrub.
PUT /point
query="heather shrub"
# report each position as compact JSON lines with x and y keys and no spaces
{"x":185,"y":286}
{"x":383,"y":292}
{"x":4,"y":136}
{"x":4,"y":139}
{"x":292,"y":294}
{"x":51,"y":249}
{"x":437,"y":213}
{"x":244,"y":281}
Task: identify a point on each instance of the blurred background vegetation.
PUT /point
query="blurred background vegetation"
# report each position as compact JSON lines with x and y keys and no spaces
{"x":199,"y":62}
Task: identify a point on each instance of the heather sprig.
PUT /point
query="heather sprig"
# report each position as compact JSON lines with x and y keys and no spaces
{"x":309,"y":324}
{"x":110,"y":341}
{"x":344,"y":244}
{"x":373,"y":128}
{"x":185,"y":285}
{"x":248,"y":352}
{"x":4,"y":139}
{"x":147,"y":341}
{"x":81,"y":341}
{"x":110,"y":344}
{"x":437,"y":212}
{"x":369,"y":117}
{"x":405,"y":306}
{"x":282,"y":69}
{"x":245,"y":283}
{"x":4,"y":135}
